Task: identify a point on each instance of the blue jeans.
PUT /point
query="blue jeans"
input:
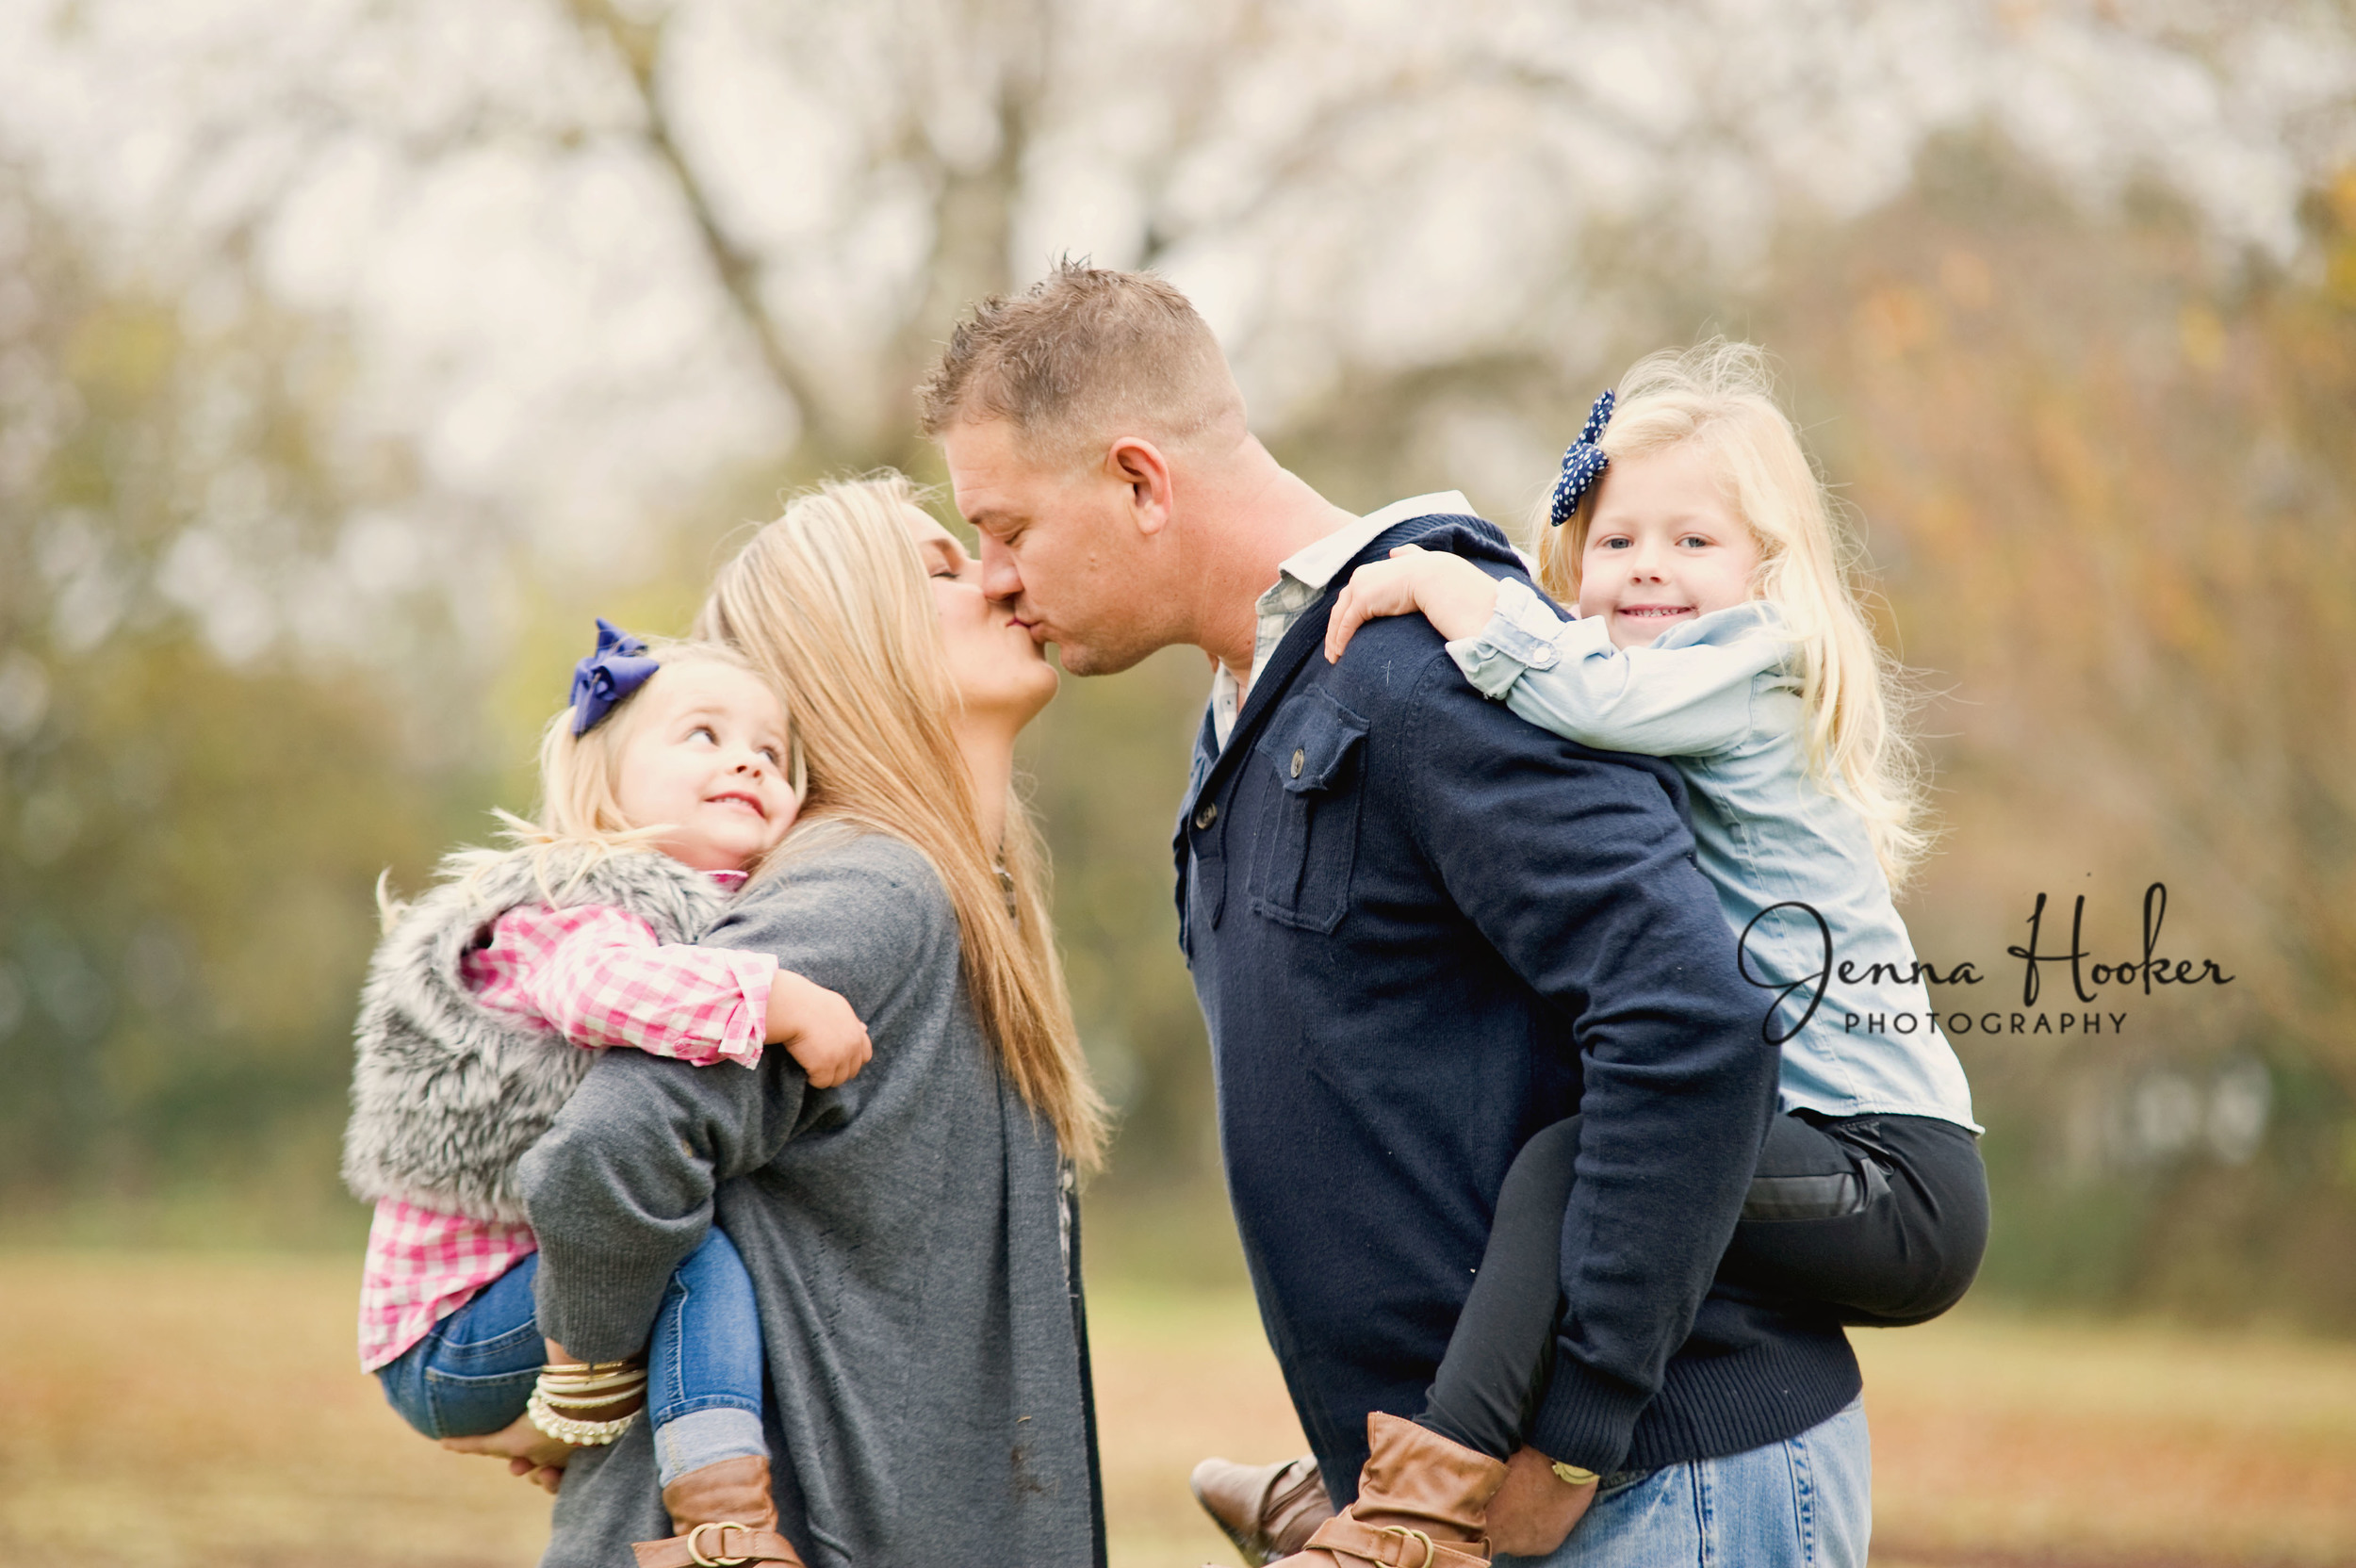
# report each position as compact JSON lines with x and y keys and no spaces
{"x":1806,"y":1502}
{"x":473,"y":1372}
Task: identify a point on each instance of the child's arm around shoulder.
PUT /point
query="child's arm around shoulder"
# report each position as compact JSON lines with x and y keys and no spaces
{"x":1451,"y":592}
{"x":1566,"y":676}
{"x":600,"y":976}
{"x":818,"y":1029}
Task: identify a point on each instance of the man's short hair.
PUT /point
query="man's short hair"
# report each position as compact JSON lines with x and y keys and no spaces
{"x":1083,"y":355}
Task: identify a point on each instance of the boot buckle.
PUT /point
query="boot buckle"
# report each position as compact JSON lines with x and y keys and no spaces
{"x":1405,"y":1535}
{"x":695,"y":1551}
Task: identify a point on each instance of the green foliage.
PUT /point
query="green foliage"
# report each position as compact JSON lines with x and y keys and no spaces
{"x":1111,"y":763}
{"x":187,"y":845}
{"x":2104,"y":477}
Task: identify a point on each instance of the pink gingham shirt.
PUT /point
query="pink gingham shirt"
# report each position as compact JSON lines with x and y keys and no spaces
{"x":597,"y":976}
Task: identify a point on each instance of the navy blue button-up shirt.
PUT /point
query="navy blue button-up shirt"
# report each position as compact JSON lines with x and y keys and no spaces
{"x":1421,"y":929}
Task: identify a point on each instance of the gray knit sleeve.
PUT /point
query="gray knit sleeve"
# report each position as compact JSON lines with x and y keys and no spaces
{"x":620,"y":1188}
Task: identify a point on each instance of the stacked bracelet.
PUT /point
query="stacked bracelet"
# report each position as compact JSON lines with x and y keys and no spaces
{"x":587,"y":1405}
{"x":581,"y":1434}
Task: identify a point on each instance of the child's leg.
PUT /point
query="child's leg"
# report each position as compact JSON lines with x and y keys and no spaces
{"x":1882,"y":1217}
{"x":473,"y":1372}
{"x":1505,"y":1335}
{"x":704,"y":1365}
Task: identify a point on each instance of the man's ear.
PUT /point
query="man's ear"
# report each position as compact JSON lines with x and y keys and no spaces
{"x":1140,"y":466}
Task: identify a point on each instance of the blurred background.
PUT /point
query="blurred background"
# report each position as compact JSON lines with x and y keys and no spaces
{"x":353,"y":355}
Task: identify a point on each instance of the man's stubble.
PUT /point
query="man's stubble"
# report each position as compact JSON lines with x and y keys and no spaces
{"x":1099,"y":658}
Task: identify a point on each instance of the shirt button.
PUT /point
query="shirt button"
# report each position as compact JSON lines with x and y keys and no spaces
{"x":1545,"y":659}
{"x":1208,"y":815}
{"x":1299,"y":756}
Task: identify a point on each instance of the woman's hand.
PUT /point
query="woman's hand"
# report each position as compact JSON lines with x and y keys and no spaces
{"x":1455,"y":595}
{"x":1534,"y":1510}
{"x":529,"y":1451}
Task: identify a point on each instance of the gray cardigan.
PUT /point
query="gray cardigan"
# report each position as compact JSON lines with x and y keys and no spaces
{"x":910,"y":1237}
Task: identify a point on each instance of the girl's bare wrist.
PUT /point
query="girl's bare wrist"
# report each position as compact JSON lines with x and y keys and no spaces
{"x":787,"y":994}
{"x":1461,"y":608}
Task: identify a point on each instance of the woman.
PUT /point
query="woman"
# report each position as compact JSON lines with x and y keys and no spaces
{"x":909,"y":1233}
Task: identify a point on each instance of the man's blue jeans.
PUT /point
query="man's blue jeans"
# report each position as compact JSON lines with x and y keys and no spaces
{"x":1806,"y":1502}
{"x":473,"y":1373}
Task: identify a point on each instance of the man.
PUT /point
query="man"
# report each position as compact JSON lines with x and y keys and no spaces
{"x":1420,"y":931}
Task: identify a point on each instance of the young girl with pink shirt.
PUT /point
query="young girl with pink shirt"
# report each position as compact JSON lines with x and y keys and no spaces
{"x":670,"y":773}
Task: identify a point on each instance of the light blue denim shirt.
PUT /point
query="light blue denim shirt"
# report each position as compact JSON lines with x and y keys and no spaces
{"x":1714,"y":698}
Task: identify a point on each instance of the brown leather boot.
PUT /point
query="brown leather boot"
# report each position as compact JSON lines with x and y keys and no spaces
{"x":1268,"y":1510}
{"x":1423,"y":1502}
{"x":724,"y":1514}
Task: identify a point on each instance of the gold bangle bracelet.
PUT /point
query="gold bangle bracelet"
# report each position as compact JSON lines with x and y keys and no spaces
{"x":1571,"y":1475}
{"x":596,"y":1396}
{"x":593,"y":1385}
{"x":587,"y":1381}
{"x":633,"y":1397}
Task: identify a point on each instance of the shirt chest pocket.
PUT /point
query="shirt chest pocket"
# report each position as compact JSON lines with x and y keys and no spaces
{"x":1301,"y":863}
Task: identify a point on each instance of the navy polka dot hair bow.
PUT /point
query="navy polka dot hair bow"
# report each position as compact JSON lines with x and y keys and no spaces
{"x":1583,"y":463}
{"x":600,"y":681}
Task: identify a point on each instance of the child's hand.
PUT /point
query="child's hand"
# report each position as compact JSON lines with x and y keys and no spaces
{"x":1455,"y":595}
{"x":818,"y":1030}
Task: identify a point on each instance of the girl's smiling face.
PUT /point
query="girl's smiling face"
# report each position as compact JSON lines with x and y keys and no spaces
{"x":705,"y":759}
{"x":1662,"y":547}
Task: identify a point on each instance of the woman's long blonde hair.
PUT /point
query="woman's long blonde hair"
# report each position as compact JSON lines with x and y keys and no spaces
{"x":1719,"y":398}
{"x":830,"y":603}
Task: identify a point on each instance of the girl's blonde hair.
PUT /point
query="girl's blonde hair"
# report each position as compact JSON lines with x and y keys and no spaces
{"x":830,"y":603}
{"x":1718,"y":398}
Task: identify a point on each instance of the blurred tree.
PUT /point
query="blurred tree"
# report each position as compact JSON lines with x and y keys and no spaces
{"x":443,"y":324}
{"x":187,"y":829}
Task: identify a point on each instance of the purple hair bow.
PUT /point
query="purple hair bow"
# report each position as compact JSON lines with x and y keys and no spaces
{"x":600,"y":681}
{"x":1583,"y":463}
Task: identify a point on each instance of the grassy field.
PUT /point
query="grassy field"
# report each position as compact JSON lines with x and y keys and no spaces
{"x":166,"y":1411}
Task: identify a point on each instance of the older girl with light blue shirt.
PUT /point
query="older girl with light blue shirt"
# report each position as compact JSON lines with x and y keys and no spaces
{"x":1718,"y":627}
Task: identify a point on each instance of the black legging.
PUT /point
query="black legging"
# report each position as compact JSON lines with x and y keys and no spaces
{"x":1881,"y":1219}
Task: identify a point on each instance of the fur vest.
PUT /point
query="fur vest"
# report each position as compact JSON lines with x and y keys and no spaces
{"x":447,"y":1093}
